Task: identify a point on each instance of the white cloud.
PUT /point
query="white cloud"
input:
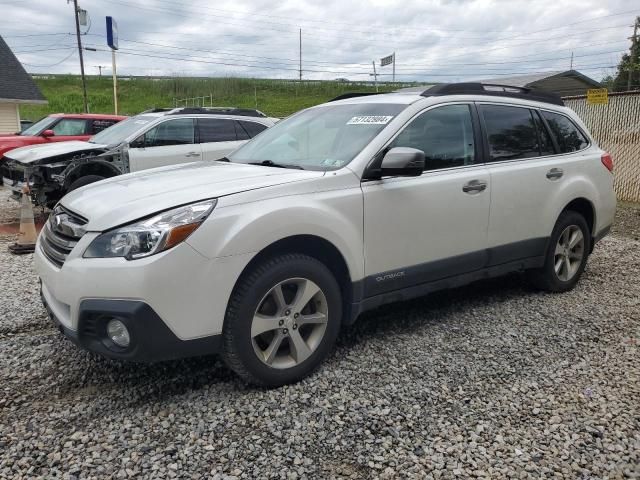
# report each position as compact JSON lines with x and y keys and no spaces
{"x":434,"y":40}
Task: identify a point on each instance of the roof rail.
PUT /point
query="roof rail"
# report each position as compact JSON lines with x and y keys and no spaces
{"x":243,"y":112}
{"x":344,"y":96}
{"x":494,"y":90}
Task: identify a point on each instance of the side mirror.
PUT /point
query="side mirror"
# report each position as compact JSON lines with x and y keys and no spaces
{"x":402,"y":162}
{"x":138,"y":142}
{"x":48,"y":133}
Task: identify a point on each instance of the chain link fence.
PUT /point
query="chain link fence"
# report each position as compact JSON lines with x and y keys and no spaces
{"x":616,"y":128}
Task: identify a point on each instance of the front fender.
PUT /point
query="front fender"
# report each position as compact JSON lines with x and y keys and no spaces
{"x":335,"y":216}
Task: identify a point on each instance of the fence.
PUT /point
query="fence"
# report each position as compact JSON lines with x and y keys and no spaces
{"x":616,"y":128}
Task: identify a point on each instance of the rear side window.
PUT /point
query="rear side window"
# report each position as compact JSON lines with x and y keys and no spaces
{"x":568,"y":136}
{"x":444,"y":134}
{"x":511,"y":132}
{"x":252,"y":128}
{"x":546,"y":145}
{"x":216,"y":130}
{"x":98,"y":125}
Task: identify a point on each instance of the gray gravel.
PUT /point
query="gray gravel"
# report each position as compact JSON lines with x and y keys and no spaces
{"x":488,"y":381}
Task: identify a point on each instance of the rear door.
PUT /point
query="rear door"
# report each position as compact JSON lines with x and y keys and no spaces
{"x":219,"y":137}
{"x":528,"y":170}
{"x":426,"y":228}
{"x":167,"y":143}
{"x":70,"y":129}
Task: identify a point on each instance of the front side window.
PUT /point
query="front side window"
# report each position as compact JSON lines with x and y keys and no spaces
{"x":569,"y":138}
{"x":216,"y":130}
{"x":322,"y":138}
{"x":70,"y":127}
{"x":511,"y":132}
{"x":172,"y":132}
{"x":444,"y":134}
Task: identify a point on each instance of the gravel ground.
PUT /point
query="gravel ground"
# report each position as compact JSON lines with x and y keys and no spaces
{"x":489,"y":381}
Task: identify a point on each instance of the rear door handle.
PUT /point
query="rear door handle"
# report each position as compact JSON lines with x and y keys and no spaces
{"x":555,"y":173}
{"x":474,"y":186}
{"x":192,"y":154}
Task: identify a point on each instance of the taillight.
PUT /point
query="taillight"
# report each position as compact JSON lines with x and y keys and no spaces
{"x":607,"y":161}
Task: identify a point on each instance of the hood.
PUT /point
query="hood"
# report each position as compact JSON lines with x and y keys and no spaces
{"x":125,"y":198}
{"x":35,"y":153}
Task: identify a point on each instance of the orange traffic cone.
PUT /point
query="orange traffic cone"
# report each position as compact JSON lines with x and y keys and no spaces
{"x":27,"y":236}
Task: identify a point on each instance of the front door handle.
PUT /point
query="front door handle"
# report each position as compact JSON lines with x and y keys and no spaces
{"x":474,"y":186}
{"x":192,"y":154}
{"x":555,"y":173}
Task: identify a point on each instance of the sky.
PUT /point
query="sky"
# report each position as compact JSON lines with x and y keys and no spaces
{"x":434,"y":40}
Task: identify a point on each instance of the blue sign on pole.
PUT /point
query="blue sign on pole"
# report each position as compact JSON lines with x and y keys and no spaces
{"x":112,"y":33}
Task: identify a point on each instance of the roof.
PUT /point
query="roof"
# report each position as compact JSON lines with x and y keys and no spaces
{"x":15,"y":83}
{"x":95,"y":116}
{"x":528,"y":80}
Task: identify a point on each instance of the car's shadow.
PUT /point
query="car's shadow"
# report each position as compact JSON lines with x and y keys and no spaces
{"x":87,"y":374}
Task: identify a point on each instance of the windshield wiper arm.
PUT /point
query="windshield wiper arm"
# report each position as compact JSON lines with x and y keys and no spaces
{"x":271,"y":163}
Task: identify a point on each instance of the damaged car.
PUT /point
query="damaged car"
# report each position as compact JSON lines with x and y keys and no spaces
{"x":155,"y":138}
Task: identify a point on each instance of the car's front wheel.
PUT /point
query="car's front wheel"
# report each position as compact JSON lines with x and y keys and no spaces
{"x":282,"y":320}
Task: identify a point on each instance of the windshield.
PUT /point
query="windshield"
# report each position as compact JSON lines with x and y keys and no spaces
{"x":324,"y":138}
{"x":122,"y":130}
{"x":40,"y":126}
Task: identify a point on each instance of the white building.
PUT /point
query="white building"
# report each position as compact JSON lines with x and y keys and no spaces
{"x":16,"y":88}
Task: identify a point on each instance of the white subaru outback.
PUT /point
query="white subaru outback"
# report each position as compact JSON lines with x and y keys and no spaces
{"x":336,"y":210}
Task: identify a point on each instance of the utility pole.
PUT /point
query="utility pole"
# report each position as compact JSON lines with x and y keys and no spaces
{"x":99,"y":67}
{"x":84,"y":80}
{"x":394,"y":66}
{"x":634,"y":46}
{"x":571,"y":65}
{"x":375,"y":75}
{"x":300,"y":54}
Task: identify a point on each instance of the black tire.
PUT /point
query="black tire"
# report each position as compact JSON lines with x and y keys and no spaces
{"x":546,"y":277}
{"x":82,"y":181}
{"x":249,"y":294}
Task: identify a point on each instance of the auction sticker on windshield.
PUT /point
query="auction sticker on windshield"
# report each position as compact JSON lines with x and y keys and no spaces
{"x":370,"y":120}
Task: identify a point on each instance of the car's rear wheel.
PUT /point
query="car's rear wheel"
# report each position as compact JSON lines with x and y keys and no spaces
{"x":282,"y":320}
{"x":566,"y":255}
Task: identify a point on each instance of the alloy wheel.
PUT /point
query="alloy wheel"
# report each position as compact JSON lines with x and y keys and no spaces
{"x":569,"y":253}
{"x":289,"y":323}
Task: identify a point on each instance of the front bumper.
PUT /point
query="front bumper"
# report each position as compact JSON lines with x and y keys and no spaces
{"x":151,"y":339}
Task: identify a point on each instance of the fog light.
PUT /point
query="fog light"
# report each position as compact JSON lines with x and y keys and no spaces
{"x":118,"y":333}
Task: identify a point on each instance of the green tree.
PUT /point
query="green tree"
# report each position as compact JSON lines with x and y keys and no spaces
{"x":628,"y":68}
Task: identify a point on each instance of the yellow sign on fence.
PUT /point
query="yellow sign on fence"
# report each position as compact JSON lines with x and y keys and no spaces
{"x":597,"y":96}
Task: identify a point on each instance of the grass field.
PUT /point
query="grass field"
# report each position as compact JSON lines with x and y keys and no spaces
{"x":276,"y":98}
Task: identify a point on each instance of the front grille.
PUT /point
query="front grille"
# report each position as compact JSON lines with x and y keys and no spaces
{"x":61,"y":234}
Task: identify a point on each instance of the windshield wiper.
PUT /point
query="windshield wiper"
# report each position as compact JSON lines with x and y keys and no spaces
{"x":271,"y":163}
{"x":223,"y":159}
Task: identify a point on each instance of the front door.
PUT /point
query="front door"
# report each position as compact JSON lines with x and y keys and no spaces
{"x":434,"y":226}
{"x":168,"y":143}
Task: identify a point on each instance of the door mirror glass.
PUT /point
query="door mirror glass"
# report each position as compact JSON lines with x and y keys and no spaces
{"x":48,"y":133}
{"x":403,"y":162}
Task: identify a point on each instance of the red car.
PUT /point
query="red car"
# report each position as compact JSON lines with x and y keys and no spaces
{"x":59,"y":127}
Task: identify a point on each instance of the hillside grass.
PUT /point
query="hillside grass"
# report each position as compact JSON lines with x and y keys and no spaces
{"x":277,"y":98}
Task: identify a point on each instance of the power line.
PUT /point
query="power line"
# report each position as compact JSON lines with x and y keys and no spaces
{"x":197,"y":60}
{"x":52,"y":64}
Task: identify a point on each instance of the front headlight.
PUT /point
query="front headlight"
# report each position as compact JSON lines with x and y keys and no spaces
{"x":152,"y":235}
